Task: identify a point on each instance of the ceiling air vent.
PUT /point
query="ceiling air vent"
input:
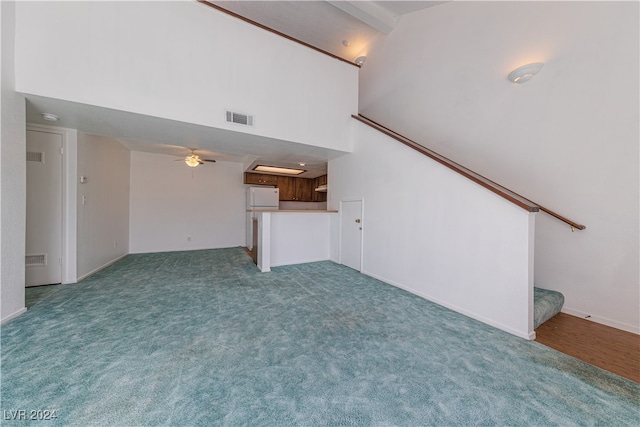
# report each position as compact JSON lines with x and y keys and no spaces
{"x":35,"y":156}
{"x":239,"y":118}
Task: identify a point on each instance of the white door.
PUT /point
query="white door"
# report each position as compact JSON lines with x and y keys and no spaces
{"x":43,"y":259}
{"x":351,"y":234}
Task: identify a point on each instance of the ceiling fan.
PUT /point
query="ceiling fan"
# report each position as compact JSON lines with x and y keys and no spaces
{"x":194,"y":160}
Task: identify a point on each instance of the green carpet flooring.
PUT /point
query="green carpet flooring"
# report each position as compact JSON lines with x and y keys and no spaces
{"x":204,"y":339}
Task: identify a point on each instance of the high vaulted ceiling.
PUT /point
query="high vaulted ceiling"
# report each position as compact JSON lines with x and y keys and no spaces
{"x":342,"y":28}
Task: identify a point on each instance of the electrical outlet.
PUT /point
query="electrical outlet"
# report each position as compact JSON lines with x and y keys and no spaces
{"x":188,"y":238}
{"x":84,"y":200}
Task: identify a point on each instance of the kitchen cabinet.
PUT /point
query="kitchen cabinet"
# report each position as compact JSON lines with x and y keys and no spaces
{"x":319,"y":196}
{"x":287,"y":187}
{"x":260,"y":179}
{"x":295,"y":189}
{"x":292,"y":189}
{"x":304,"y":190}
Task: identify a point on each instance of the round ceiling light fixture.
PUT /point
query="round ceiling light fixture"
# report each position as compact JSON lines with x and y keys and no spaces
{"x":360,"y":60}
{"x":50,"y":117}
{"x":524,"y":73}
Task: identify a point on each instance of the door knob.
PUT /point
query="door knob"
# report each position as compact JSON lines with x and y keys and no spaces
{"x":358,"y":221}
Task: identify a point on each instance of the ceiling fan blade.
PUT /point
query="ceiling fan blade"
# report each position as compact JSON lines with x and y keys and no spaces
{"x":207,"y":160}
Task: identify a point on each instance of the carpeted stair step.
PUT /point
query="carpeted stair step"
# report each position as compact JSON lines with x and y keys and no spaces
{"x":546,"y":304}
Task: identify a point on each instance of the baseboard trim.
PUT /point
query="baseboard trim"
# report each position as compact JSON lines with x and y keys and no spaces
{"x":165,"y":250}
{"x":84,"y":276}
{"x":299,"y":262}
{"x":602,"y":320}
{"x":13,"y":315}
{"x":528,"y":336}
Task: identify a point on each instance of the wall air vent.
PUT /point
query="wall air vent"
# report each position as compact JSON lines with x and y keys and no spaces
{"x":239,"y":118}
{"x":35,"y":156}
{"x":35,"y":260}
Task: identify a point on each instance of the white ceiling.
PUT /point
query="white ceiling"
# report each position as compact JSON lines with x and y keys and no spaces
{"x":156,"y":135}
{"x":323,"y":24}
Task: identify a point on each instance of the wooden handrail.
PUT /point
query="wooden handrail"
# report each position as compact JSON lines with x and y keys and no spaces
{"x":271,"y":30}
{"x":490,"y":185}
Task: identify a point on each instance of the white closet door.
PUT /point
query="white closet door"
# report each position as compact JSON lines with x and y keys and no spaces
{"x":351,"y":234}
{"x":44,"y":209}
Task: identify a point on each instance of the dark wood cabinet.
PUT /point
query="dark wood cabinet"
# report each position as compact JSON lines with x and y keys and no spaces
{"x":319,"y":196}
{"x":287,"y":187}
{"x":292,"y":189}
{"x":260,"y":179}
{"x":295,"y":189}
{"x":304,"y":190}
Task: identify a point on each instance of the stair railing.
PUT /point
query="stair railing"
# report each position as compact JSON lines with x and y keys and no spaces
{"x":490,"y":185}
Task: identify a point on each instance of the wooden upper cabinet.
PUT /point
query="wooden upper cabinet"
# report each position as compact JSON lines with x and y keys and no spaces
{"x":291,"y":188}
{"x":321,"y":180}
{"x":295,"y":189}
{"x":260,"y":179}
{"x":319,"y":196}
{"x":287,"y":187}
{"x":304,"y":190}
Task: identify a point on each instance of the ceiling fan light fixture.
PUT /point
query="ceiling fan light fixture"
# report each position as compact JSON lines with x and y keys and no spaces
{"x":192,"y":161}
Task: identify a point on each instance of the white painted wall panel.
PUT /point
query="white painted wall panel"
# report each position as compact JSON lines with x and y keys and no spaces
{"x":171,"y":202}
{"x":297,"y":238}
{"x":437,"y":234}
{"x":12,"y":175}
{"x":184,"y":61}
{"x":103,"y":203}
{"x":567,"y":139}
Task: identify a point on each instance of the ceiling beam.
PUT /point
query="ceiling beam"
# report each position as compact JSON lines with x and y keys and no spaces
{"x":368,"y":12}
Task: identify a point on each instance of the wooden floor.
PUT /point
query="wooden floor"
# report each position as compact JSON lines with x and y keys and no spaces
{"x":608,"y":348}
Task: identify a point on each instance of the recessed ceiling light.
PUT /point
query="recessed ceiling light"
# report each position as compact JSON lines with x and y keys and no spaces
{"x":275,"y":169}
{"x":302,"y":164}
{"x":345,"y":43}
{"x":50,"y":117}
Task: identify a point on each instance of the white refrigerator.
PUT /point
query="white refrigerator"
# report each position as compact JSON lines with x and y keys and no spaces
{"x":262,"y":199}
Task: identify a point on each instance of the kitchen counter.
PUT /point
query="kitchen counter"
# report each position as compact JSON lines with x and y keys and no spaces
{"x":292,"y":236}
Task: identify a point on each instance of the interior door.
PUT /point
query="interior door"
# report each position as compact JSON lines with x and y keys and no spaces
{"x":43,"y":261}
{"x":351,"y":234}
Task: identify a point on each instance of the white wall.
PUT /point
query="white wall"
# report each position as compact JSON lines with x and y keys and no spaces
{"x":12,"y":175}
{"x":297,"y":238}
{"x":103,"y":203}
{"x":171,"y":202}
{"x":184,"y":61}
{"x":567,"y":139}
{"x":432,"y":232}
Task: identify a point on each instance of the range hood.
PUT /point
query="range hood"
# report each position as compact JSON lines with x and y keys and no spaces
{"x":321,"y":188}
